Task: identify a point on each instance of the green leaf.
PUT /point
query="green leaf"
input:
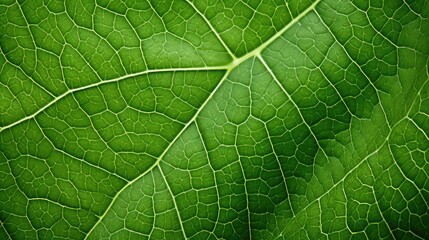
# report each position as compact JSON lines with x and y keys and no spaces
{"x":215,"y":119}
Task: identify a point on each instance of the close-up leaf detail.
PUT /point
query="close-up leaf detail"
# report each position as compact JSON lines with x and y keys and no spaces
{"x":214,"y":119}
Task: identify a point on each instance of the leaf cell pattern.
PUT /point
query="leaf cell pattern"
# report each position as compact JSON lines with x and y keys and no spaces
{"x":272,"y":119}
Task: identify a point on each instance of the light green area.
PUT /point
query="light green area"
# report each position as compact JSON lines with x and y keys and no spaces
{"x":213,"y":119}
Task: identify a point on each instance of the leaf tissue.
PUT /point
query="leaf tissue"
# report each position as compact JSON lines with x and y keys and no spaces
{"x":214,"y":119}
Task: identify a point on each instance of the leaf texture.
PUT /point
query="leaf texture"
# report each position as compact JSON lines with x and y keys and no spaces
{"x":215,"y":119}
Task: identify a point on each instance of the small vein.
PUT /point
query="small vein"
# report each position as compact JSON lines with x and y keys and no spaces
{"x":176,"y":208}
{"x":213,"y":30}
{"x":5,"y":230}
{"x":42,"y":109}
{"x":214,"y":172}
{"x":357,"y":65}
{"x":246,"y":192}
{"x":162,"y":155}
{"x":292,"y":101}
{"x":405,"y":176}
{"x":339,"y":182}
{"x":378,"y":206}
{"x":280,"y":167}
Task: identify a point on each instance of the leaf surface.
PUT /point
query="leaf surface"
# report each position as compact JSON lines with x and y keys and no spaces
{"x":214,"y":119}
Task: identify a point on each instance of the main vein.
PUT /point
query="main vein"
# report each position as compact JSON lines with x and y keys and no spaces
{"x":71,"y":91}
{"x":228,"y":69}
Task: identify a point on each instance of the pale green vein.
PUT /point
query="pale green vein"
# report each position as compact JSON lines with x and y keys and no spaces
{"x":212,"y":169}
{"x":257,"y":51}
{"x":4,"y":229}
{"x":418,"y":127}
{"x":25,"y":73}
{"x":105,"y":82}
{"x":176,"y":208}
{"x":357,"y":65}
{"x":246,"y":192}
{"x":378,"y":206}
{"x":280,"y":167}
{"x":293,"y":102}
{"x":386,"y":142}
{"x":213,"y":30}
{"x":163,"y":154}
{"x":229,"y":66}
{"x":395,"y":162}
{"x":338,"y":183}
